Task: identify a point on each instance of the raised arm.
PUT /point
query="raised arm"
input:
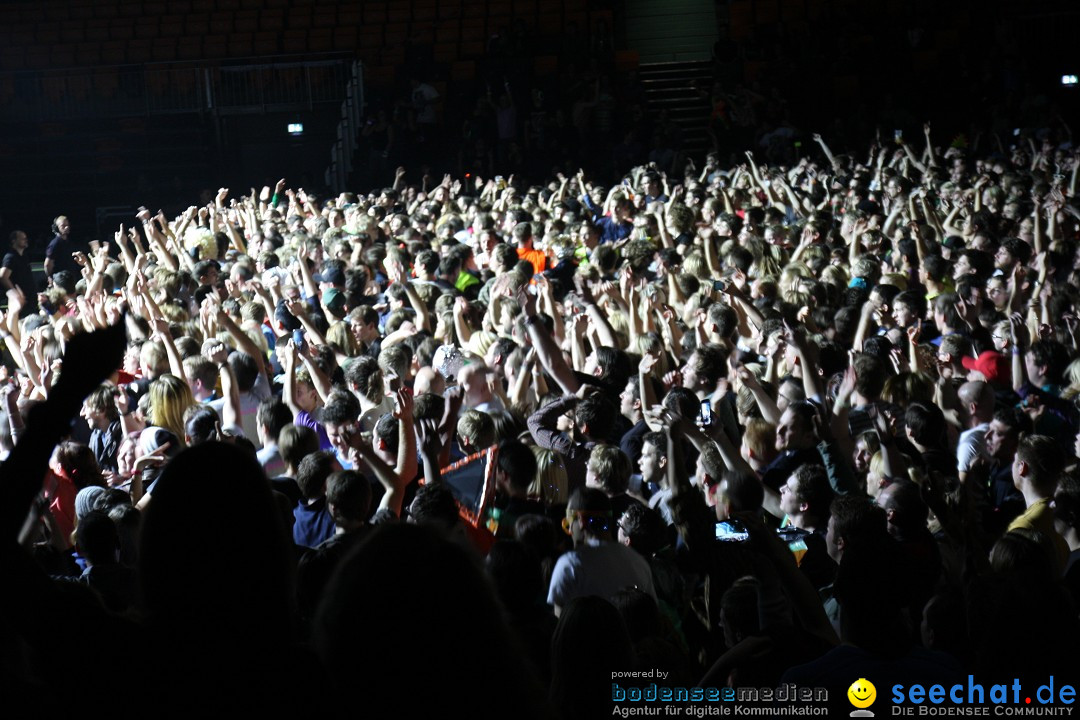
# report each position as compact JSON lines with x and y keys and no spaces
{"x":218,"y":354}
{"x":825,"y":149}
{"x":551,"y":358}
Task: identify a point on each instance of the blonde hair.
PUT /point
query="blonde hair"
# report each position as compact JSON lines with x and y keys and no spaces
{"x":551,"y":482}
{"x":170,"y":397}
{"x":1072,"y":372}
{"x":835,"y":275}
{"x":339,"y":337}
{"x":611,"y":466}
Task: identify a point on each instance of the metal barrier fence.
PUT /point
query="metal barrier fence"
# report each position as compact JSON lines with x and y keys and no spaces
{"x":352,"y":111}
{"x":251,"y":85}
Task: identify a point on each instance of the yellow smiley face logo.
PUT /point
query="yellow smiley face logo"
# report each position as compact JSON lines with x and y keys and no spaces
{"x":862,"y":693}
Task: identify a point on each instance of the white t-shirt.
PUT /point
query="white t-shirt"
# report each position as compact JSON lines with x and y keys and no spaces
{"x":600,"y":568}
{"x":972,"y":445}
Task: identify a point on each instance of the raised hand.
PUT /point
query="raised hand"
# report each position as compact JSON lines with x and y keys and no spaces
{"x":648,"y":362}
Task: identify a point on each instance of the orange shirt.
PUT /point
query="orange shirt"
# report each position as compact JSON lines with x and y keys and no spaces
{"x":535,"y":257}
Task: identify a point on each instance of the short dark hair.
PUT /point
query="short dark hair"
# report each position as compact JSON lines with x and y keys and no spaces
{"x":813,"y":488}
{"x":273,"y":415}
{"x":926,"y":423}
{"x":312,"y":473}
{"x":428,"y":260}
{"x":870,"y":375}
{"x":429,"y":406}
{"x":295,"y":442}
{"x":914,"y":300}
{"x":518,"y":462}
{"x":745,"y":492}
{"x":596,"y":507}
{"x":434,"y":505}
{"x":598,"y":413}
{"x":1052,"y":355}
{"x":341,"y":407}
{"x":711,"y":363}
{"x":725,"y":319}
{"x":1018,"y":421}
{"x":1018,"y":248}
{"x":806,"y":411}
{"x":350,"y":494}
{"x":386,"y":430}
{"x":1067,"y":501}
{"x":658,"y":440}
{"x":98,"y":538}
{"x":980,"y":261}
{"x":910,"y":511}
{"x":645,"y":527}
{"x":246,"y":369}
{"x":936,"y":267}
{"x":681,"y":401}
{"x":1044,"y":458}
{"x":945,"y":303}
{"x":856,"y":517}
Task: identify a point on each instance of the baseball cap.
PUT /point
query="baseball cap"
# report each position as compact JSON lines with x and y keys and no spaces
{"x":334,"y":301}
{"x":333,"y":275}
{"x":995,"y":367}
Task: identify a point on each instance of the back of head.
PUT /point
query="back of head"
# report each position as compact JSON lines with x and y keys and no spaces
{"x":1044,"y":460}
{"x":640,"y":613}
{"x":909,"y":512}
{"x":200,"y":424}
{"x":434,"y":505}
{"x":857,"y":520}
{"x":273,"y":415}
{"x":427,"y":593}
{"x":246,"y":369}
{"x":596,"y":416}
{"x":1028,"y":557}
{"x":97,"y":538}
{"x":595,"y":509}
{"x":295,"y":442}
{"x":870,"y":376}
{"x":740,"y":607}
{"x":313,"y":472}
{"x":387,"y":433}
{"x":341,"y":408}
{"x":517,"y":460}
{"x":477,"y":429}
{"x":348,"y":493}
{"x":614,"y":366}
{"x":207,"y":566}
{"x":609,"y":468}
{"x":1067,"y":502}
{"x":926,"y":423}
{"x":742,"y":492}
{"x":365,"y":377}
{"x":645,"y":529}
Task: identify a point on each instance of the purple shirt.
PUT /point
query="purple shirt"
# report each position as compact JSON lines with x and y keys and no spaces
{"x":305,"y":419}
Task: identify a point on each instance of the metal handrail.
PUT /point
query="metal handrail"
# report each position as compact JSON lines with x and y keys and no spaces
{"x":253,"y":84}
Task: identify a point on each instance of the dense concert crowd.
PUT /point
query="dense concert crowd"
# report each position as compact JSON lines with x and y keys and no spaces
{"x":752,"y":424}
